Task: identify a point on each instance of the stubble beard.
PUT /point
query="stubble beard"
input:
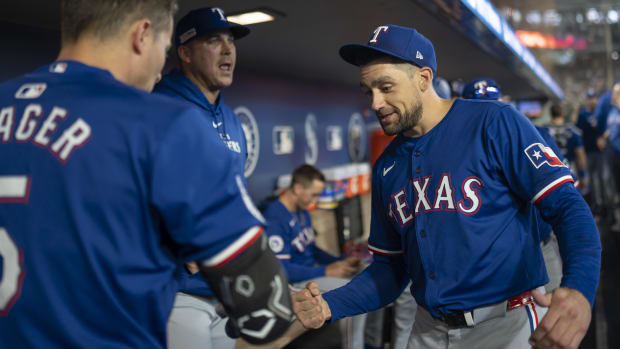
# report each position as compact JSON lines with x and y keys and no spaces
{"x":406,"y":121}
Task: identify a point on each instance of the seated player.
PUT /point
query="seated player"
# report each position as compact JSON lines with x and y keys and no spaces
{"x":291,"y":238}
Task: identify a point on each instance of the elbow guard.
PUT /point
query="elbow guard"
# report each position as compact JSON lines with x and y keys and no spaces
{"x":254,"y":291}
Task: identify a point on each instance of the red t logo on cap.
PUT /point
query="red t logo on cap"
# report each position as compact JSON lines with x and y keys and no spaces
{"x":377,"y":32}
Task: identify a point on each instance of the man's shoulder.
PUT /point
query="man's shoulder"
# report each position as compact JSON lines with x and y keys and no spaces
{"x":575,"y":130}
{"x":274,"y":210}
{"x":475,"y":106}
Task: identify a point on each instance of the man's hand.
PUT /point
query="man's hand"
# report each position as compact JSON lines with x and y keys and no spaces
{"x":310,"y":307}
{"x":566,"y":321}
{"x":601,"y":142}
{"x":340,"y":269}
{"x":192,"y":267}
{"x":353,"y":262}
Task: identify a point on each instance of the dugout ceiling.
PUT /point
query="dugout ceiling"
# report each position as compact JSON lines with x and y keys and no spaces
{"x":304,"y":43}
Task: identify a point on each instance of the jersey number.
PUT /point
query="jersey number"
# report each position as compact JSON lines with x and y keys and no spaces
{"x":13,"y":189}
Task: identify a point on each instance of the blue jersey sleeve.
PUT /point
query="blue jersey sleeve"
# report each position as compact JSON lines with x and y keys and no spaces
{"x":578,"y":237}
{"x":375,"y":287}
{"x":299,"y":272}
{"x":200,"y":199}
{"x":279,"y":237}
{"x":323,"y":257}
{"x":383,"y":240}
{"x":575,"y":141}
{"x":531,"y":168}
{"x":601,"y":111}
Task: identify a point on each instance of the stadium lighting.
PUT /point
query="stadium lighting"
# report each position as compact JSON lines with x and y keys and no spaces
{"x":252,"y":17}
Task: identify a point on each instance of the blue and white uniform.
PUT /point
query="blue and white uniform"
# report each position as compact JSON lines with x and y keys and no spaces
{"x":101,"y":198}
{"x":454,"y":215}
{"x":187,"y":328}
{"x":587,"y":123}
{"x":569,"y":139}
{"x":225,"y":122}
{"x":218,"y":114}
{"x":292,"y":240}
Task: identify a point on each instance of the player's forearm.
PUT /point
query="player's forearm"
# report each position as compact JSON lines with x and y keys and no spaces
{"x":578,"y":237}
{"x":323,"y":257}
{"x":298,"y":272}
{"x":377,"y":286}
{"x":582,"y":164}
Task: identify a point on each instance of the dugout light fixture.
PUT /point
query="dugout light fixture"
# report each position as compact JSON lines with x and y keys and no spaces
{"x":261,"y":15}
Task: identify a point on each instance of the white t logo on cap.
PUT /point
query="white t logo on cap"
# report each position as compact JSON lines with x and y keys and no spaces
{"x":377,"y":32}
{"x":220,"y":12}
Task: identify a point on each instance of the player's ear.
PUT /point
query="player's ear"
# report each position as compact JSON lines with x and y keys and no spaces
{"x":296,"y":188}
{"x":425,"y":80}
{"x":184,"y":53}
{"x":141,"y":32}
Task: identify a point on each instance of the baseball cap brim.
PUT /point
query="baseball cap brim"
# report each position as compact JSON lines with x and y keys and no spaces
{"x":238,"y":31}
{"x":358,"y":54}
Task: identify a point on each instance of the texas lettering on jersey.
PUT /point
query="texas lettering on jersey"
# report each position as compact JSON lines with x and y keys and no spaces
{"x":38,"y":126}
{"x":417,"y":198}
{"x":303,"y":239}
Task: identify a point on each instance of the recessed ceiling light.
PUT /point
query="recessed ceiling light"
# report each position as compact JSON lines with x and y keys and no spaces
{"x":261,"y":15}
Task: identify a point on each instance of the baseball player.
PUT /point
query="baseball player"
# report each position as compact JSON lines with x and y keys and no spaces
{"x":291,"y":238}
{"x":570,"y":142}
{"x":488,"y":89}
{"x":405,"y":306}
{"x":101,"y":196}
{"x":453,"y":210}
{"x":612,"y":134}
{"x":586,"y":122}
{"x":206,"y":50}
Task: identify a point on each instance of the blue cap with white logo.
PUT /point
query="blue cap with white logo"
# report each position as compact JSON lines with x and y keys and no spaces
{"x":396,"y":41}
{"x":482,"y":88}
{"x":205,"y":21}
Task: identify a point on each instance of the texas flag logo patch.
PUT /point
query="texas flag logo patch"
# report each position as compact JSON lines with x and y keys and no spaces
{"x":540,"y":155}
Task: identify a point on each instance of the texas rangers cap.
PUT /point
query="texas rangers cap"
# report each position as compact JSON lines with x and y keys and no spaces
{"x":204,"y":21}
{"x":396,"y":41}
{"x":482,"y":88}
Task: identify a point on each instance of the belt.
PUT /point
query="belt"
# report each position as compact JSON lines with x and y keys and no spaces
{"x":461,"y":318}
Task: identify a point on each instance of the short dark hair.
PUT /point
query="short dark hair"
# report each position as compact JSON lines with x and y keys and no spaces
{"x":305,"y":174}
{"x":105,"y":18}
{"x":556,"y":110}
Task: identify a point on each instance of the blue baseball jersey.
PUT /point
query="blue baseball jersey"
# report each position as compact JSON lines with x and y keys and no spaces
{"x":461,"y":210}
{"x":602,"y":111}
{"x":568,"y":139}
{"x":292,"y":240}
{"x":613,"y":125}
{"x":587,"y":123}
{"x":227,"y":125}
{"x":219,"y":115}
{"x":101,"y":199}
